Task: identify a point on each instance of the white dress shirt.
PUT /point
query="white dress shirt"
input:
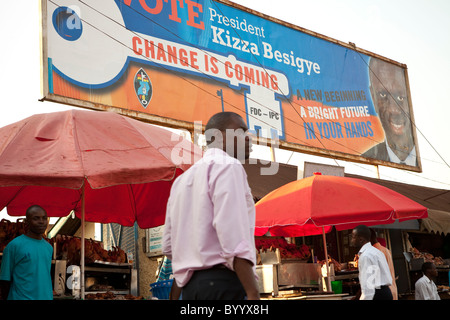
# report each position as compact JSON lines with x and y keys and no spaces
{"x":210,"y":217}
{"x":373,"y":271}
{"x":426,"y":289}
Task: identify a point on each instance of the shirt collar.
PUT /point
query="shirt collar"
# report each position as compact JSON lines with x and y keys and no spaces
{"x":219,"y":156}
{"x":216,"y":152}
{"x":364,"y":248}
{"x":410,"y":160}
{"x":427,"y":279}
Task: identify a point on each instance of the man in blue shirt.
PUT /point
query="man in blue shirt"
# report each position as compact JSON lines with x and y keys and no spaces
{"x":25,"y":269}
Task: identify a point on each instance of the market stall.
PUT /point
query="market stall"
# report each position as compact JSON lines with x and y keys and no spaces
{"x":429,"y":247}
{"x":283,"y":266}
{"x":289,"y":270}
{"x":103,"y":166}
{"x":313,"y":205}
{"x":108,"y":273}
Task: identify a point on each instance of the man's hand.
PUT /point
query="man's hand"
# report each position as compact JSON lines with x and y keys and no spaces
{"x":175,"y":291}
{"x":244,"y":271}
{"x":4,"y":289}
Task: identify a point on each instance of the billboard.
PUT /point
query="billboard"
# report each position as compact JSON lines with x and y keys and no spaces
{"x":175,"y":62}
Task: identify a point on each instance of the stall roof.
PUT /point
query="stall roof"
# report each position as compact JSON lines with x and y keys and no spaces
{"x":262,"y":184}
{"x":436,"y":200}
{"x":65,"y":225}
{"x":437,"y":221}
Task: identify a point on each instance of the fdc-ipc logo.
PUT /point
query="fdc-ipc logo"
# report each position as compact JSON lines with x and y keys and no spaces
{"x":143,"y":87}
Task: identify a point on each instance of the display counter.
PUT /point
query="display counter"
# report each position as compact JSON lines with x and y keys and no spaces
{"x":288,"y":274}
{"x":327,"y":296}
{"x":286,"y":269}
{"x":349,"y":279}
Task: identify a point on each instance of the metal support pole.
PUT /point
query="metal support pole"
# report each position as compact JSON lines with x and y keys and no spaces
{"x":82,"y":262}
{"x":326,"y":259}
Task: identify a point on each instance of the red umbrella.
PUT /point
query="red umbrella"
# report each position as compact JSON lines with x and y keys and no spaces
{"x":125,"y":166}
{"x":315,"y":204}
{"x":104,"y":166}
{"x":305,"y":206}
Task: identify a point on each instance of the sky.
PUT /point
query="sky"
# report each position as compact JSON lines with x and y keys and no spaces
{"x":413,"y":32}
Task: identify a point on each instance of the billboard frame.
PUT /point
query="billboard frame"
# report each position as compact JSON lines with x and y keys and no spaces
{"x":48,"y":95}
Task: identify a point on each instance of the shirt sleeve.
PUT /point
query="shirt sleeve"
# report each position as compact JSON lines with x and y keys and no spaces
{"x":228,"y":190}
{"x":6,"y":265}
{"x":365,"y":281}
{"x":421,"y":291}
{"x":166,"y":240}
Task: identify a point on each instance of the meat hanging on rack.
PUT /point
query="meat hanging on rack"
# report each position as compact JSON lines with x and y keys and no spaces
{"x":287,"y":250}
{"x":337,"y":265}
{"x":10,"y":230}
{"x":69,"y":248}
{"x":428,"y":257}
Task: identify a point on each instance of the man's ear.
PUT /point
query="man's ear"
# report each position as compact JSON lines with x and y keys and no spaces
{"x":214,"y":138}
{"x":26,"y":224}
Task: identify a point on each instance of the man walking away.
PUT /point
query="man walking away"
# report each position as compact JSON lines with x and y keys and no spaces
{"x":210,"y":219}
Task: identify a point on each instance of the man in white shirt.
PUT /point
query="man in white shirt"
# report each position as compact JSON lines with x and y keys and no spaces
{"x":425,"y":287}
{"x":210,"y":218}
{"x":387,"y":253}
{"x":374,"y":274}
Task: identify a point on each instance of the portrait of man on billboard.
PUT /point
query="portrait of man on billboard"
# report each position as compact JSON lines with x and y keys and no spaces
{"x":390,"y":99}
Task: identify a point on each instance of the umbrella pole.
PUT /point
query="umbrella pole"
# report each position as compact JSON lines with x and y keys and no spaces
{"x":326,"y":259}
{"x":82,"y":242}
